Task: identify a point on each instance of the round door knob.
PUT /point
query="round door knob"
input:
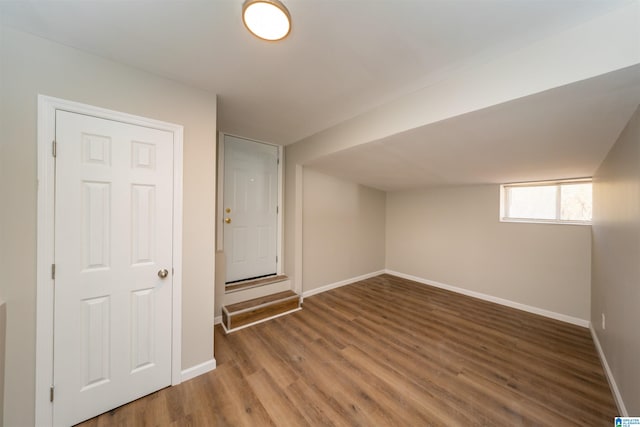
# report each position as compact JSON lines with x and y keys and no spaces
{"x":163,"y":273}
{"x":227,"y":220}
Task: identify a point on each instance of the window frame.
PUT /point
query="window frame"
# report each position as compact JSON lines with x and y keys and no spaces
{"x":504,"y":201}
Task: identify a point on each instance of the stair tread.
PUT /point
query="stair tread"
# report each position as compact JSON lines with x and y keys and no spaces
{"x":273,"y":298}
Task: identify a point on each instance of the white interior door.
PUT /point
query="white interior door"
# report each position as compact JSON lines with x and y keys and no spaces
{"x":113,"y":241}
{"x":250,"y":208}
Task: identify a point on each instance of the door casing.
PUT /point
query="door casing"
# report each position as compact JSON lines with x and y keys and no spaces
{"x":220,"y":198}
{"x":47,"y":107}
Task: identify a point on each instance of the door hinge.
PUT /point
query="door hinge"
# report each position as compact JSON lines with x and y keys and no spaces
{"x":54,"y":148}
{"x":278,"y":161}
{"x":53,"y":271}
{"x":277,"y":209}
{"x":276,"y":259}
{"x":51,"y":393}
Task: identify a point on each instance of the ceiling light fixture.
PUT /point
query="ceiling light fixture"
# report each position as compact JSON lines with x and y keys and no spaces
{"x":266,"y":19}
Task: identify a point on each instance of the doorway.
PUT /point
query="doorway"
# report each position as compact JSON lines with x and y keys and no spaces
{"x":251,"y":213}
{"x":110,"y":204}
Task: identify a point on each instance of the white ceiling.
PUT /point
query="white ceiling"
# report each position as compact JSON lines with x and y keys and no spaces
{"x":345,"y":57}
{"x":560,"y":133}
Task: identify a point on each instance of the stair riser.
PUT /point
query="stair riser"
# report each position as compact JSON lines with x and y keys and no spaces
{"x":247,"y":294}
{"x":240,"y":286}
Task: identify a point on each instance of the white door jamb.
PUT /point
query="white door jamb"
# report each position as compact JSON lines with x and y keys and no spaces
{"x":220,"y":210}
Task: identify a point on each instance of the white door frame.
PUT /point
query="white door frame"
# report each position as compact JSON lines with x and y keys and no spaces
{"x":220,"y":216}
{"x":47,"y":107}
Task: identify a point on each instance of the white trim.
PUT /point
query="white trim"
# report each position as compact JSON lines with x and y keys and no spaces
{"x":217,"y":320}
{"x":519,"y":306}
{"x":340,"y":283}
{"x":242,"y":295}
{"x":220,"y":194}
{"x":542,"y":221}
{"x":297,"y":230}
{"x":612,"y":382}
{"x":551,"y":182}
{"x":44,"y":259}
{"x":220,"y":198}
{"x":280,"y":232}
{"x":505,"y":195}
{"x":176,"y":339}
{"x":197,"y":370}
{"x":47,"y":107}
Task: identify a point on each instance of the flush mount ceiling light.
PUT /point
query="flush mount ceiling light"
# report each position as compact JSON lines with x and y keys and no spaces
{"x":267,"y":19}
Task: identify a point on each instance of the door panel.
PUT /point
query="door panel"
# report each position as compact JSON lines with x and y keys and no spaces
{"x":113,"y":233}
{"x":250,"y":204}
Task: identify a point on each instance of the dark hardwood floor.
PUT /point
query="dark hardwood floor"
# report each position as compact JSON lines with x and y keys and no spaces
{"x":390,"y":352}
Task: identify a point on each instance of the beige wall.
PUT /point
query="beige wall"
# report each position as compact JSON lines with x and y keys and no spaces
{"x":32,"y":66}
{"x":343,"y":230}
{"x":616,"y":261}
{"x":599,"y":46}
{"x":453,"y":236}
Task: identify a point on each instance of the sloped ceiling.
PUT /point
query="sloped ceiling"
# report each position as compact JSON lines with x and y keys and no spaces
{"x":346,"y":57}
{"x":560,"y":133}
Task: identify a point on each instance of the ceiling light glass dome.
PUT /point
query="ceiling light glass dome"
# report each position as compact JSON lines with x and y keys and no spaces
{"x":266,"y":19}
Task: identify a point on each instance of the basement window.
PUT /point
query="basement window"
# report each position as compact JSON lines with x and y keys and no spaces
{"x":552,"y":202}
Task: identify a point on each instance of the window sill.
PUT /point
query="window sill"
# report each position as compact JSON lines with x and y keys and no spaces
{"x":542,"y":221}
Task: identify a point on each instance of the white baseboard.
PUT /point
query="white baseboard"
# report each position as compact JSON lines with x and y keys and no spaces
{"x":200,"y":369}
{"x":340,"y":283}
{"x":535,"y":310}
{"x":622,"y":410}
{"x":217,"y":320}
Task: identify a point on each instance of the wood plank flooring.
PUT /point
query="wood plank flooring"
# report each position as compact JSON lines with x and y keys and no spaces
{"x":390,"y":352}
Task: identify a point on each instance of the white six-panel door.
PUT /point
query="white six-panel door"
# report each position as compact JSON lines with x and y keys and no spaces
{"x":113,"y":241}
{"x":250,"y":208}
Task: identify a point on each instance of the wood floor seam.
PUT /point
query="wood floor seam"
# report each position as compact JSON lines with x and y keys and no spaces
{"x":387,"y":351}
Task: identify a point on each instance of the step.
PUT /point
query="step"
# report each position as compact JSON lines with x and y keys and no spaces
{"x":248,"y":284}
{"x":243,"y":314}
{"x":246,"y":294}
